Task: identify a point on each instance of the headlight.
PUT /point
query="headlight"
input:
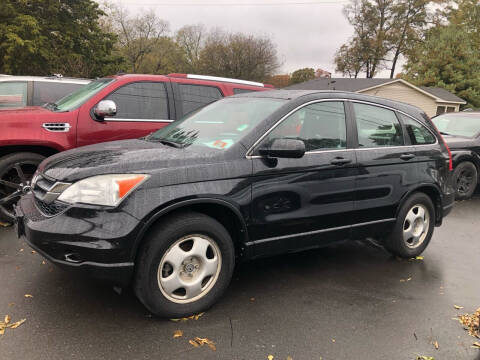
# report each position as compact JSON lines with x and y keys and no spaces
{"x":108,"y":190}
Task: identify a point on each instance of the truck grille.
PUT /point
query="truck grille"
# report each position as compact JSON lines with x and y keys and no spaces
{"x":51,"y":209}
{"x":46,"y":191}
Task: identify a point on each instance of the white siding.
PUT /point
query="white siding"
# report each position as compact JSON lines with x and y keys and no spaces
{"x":401,"y":92}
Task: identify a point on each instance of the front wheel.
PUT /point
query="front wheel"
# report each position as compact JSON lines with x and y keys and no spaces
{"x":465,"y":179}
{"x":184,"y":266}
{"x":16,"y":172}
{"x":414,"y":227}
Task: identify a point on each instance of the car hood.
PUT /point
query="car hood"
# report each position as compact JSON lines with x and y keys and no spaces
{"x":127,"y":156}
{"x":458,"y":142}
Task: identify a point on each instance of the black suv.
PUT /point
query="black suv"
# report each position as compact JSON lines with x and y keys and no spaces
{"x":247,"y":176}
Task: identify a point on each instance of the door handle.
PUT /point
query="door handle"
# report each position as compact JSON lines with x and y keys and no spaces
{"x":407,"y":156}
{"x":340,"y":161}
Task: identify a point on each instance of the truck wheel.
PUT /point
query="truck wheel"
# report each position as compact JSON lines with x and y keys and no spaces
{"x":16,"y":172}
{"x":465,"y":180}
{"x":414,"y":227}
{"x":184,"y":266}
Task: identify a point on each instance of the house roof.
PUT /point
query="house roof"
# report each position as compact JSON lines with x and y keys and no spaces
{"x":357,"y":85}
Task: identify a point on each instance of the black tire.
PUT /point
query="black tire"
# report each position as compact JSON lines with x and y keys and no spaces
{"x":29,"y":163}
{"x":160,"y":239}
{"x":396,"y":243}
{"x":465,"y":180}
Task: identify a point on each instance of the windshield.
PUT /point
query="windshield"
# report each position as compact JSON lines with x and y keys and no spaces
{"x":78,"y":97}
{"x":458,"y":125}
{"x":218,"y":125}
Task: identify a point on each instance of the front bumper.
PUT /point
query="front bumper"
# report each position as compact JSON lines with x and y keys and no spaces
{"x":89,"y":240}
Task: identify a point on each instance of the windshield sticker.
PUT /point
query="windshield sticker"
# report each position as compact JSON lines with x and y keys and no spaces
{"x":220,"y":144}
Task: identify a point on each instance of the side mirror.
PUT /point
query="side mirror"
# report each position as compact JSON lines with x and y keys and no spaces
{"x":105,"y":108}
{"x":284,"y":148}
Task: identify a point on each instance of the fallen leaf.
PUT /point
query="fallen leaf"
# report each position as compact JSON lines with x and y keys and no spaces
{"x":252,"y":299}
{"x":333,"y":340}
{"x":289,"y":358}
{"x":471,"y":323}
{"x":405,"y":280}
{"x":458,"y":307}
{"x":419,"y":258}
{"x":476,"y":345}
{"x":436,"y":345}
{"x":270,"y":357}
{"x":205,"y":341}
{"x":7,"y":319}
{"x":43,"y":262}
{"x":21,"y":250}
{"x":423,"y":357}
{"x":4,"y":224}
{"x":34,"y":252}
{"x":17,"y":324}
{"x":11,"y":304}
{"x":194,"y":343}
{"x":28,"y":296}
{"x":177,"y":333}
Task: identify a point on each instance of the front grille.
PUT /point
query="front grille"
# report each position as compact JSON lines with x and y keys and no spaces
{"x":51,"y":209}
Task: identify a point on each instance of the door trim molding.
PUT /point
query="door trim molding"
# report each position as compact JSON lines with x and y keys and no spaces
{"x":256,"y":242}
{"x":137,"y":120}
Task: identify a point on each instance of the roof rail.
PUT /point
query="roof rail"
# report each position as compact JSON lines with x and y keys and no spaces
{"x":216,"y":78}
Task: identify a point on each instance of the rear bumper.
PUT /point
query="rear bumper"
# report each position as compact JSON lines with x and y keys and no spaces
{"x":85,"y":240}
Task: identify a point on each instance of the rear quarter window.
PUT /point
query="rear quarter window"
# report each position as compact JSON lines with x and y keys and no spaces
{"x":13,"y":94}
{"x":418,"y":133}
{"x":197,"y":96}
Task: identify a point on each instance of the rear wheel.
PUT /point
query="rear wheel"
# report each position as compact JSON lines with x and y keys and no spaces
{"x":16,"y":172}
{"x":414,"y":227}
{"x":465,"y":179}
{"x":184,"y":266}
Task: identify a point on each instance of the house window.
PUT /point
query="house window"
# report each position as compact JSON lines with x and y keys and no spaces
{"x":450,"y":109}
{"x":440,"y":110}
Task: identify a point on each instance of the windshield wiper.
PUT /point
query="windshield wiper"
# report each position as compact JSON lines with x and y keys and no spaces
{"x":444,"y":133}
{"x":51,"y":105}
{"x":167,"y":142}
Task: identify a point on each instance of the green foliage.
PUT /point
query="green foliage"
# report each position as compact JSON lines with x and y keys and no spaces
{"x":448,"y":57}
{"x":41,"y":37}
{"x":302,"y":75}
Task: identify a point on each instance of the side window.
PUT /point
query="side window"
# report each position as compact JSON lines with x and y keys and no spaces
{"x":13,"y":94}
{"x":45,"y":92}
{"x":321,"y":126}
{"x":141,"y":100}
{"x":377,"y":126}
{"x":418,"y":133}
{"x":197,"y":96}
{"x":241,"y":91}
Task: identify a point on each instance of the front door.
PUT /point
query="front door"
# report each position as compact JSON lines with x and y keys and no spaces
{"x":142,"y":107}
{"x":302,"y":203}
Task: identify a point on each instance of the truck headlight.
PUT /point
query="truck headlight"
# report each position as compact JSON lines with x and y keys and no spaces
{"x":108,"y":190}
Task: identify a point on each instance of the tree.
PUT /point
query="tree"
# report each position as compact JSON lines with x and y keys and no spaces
{"x":238,"y":56}
{"x":137,"y":35}
{"x":349,"y":60}
{"x":190,"y":39}
{"x":302,"y":75}
{"x":41,"y":37}
{"x":447,"y":58}
{"x":164,"y":58}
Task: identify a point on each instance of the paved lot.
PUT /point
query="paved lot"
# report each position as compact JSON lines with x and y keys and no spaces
{"x":341,"y":302}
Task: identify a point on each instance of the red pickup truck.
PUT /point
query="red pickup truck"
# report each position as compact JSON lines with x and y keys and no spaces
{"x":110,"y":108}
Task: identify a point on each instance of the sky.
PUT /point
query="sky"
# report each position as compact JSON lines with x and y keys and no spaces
{"x":307,"y":32}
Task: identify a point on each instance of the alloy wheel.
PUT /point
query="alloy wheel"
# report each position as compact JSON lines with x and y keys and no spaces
{"x":464,"y":181}
{"x":15,"y":181}
{"x":189,"y":269}
{"x":416,"y":226}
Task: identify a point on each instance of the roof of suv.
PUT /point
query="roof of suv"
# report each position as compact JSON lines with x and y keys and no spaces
{"x":44,"y":78}
{"x":295,"y":94}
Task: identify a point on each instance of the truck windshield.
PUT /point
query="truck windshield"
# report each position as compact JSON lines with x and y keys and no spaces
{"x":218,"y":125}
{"x":78,"y":97}
{"x":467,"y":125}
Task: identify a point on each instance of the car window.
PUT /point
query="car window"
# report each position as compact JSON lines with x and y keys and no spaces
{"x":458,"y":124}
{"x":49,"y":91}
{"x":377,"y":126}
{"x":241,"y":91}
{"x":417,"y":133}
{"x":220,"y":124}
{"x":79,"y":96}
{"x":197,"y":96}
{"x":320,"y":126}
{"x":141,"y":100}
{"x":13,"y":94}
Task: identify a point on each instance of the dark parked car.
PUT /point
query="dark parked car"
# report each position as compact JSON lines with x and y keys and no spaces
{"x":248,"y":176}
{"x":461,"y":131}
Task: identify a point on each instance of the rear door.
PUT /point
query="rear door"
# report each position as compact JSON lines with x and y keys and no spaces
{"x":142,"y":107}
{"x":386,"y":164}
{"x":301,"y":203}
{"x":190,"y":97}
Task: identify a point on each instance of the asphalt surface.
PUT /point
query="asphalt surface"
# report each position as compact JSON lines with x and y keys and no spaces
{"x":348,"y":301}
